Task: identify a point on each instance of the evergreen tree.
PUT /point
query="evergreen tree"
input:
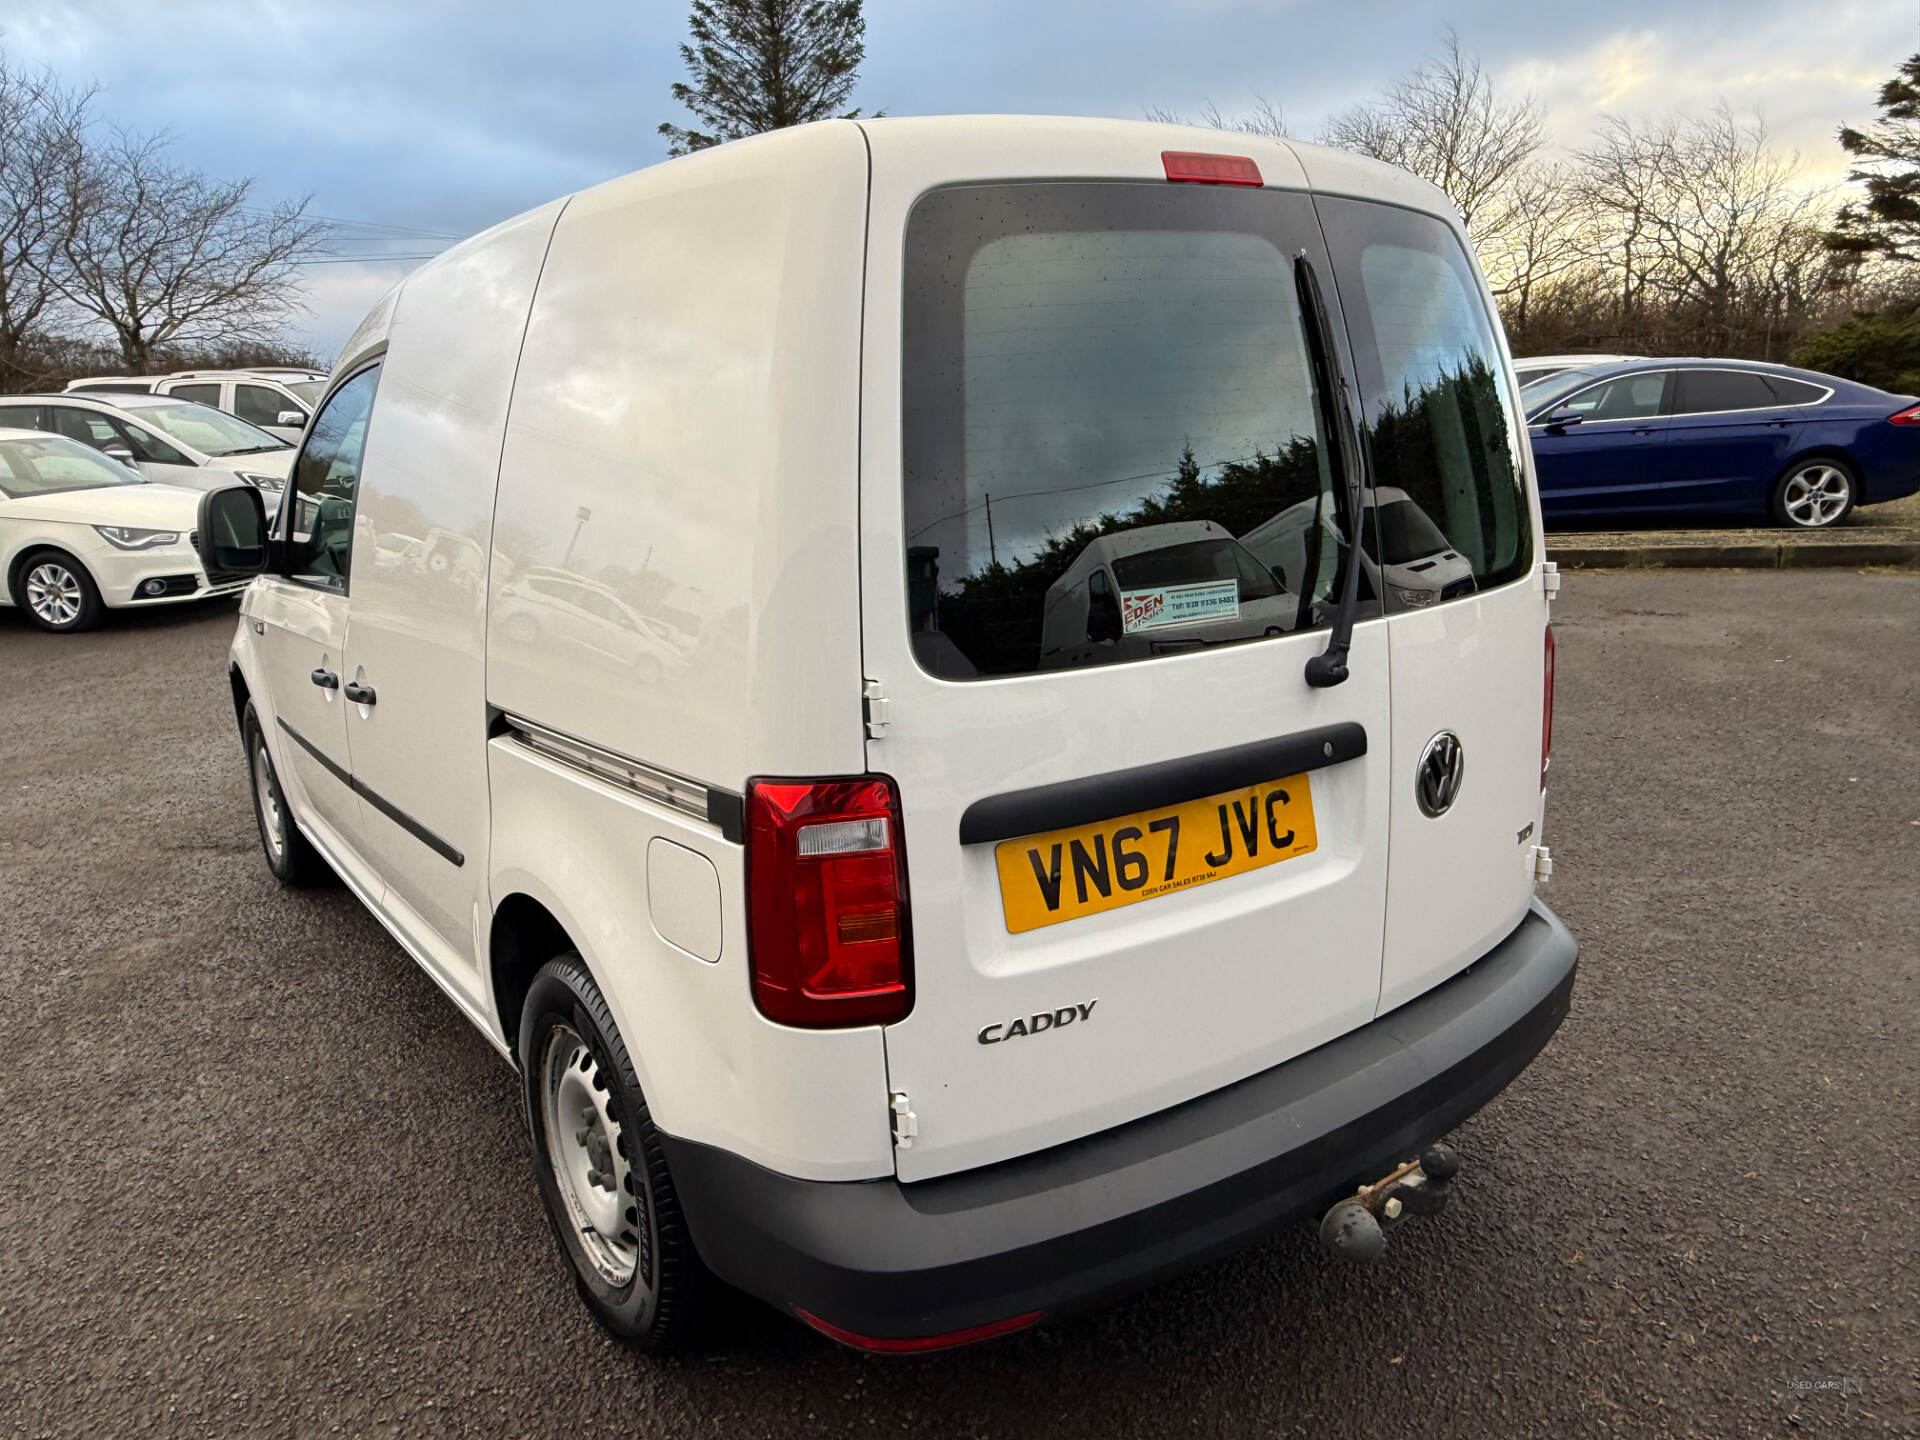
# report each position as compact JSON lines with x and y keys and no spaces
{"x":1887,"y":222}
{"x":763,"y":64}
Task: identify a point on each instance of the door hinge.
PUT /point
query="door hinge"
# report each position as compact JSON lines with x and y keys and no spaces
{"x":1550,"y":579}
{"x":876,"y":707}
{"x":1542,"y":864}
{"x":906,"y":1124}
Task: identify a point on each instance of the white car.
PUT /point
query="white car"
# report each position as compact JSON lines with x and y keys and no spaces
{"x":923,"y":999}
{"x":1539,"y":367}
{"x":80,"y":534}
{"x":279,"y":401}
{"x":168,"y":441}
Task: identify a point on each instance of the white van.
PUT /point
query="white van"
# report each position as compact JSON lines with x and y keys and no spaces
{"x":1403,"y":551}
{"x":854,"y":955}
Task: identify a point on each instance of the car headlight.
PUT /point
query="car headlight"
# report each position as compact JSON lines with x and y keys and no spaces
{"x":271,"y":484}
{"x":125,"y":537}
{"x":1413,"y":599}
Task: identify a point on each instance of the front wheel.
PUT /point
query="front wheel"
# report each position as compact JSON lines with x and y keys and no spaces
{"x":1815,"y":494}
{"x":290,"y":855}
{"x":600,"y":1167}
{"x":57,"y":593}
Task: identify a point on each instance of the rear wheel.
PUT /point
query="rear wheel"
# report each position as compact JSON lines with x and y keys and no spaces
{"x":1814,"y":494}
{"x":601,"y":1171}
{"x":57,"y":592}
{"x":290,"y":855}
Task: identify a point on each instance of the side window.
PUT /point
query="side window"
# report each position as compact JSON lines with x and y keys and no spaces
{"x":19,"y":417}
{"x":258,"y":405}
{"x":1795,"y":392}
{"x":1630,"y":397}
{"x":89,"y":427}
{"x":148,"y":446}
{"x":1703,"y":392}
{"x":199,"y":394}
{"x":326,"y":483}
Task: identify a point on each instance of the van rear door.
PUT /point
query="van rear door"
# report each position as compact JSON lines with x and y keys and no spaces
{"x":1467,"y":622}
{"x":1144,"y":857}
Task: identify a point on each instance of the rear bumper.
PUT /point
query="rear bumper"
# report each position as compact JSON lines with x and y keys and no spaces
{"x":1116,"y":1210}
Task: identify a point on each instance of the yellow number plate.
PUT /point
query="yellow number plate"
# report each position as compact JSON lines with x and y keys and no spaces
{"x":1064,"y":874}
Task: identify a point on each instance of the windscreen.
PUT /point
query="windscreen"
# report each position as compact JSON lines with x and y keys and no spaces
{"x":51,"y":464}
{"x":210,"y":431}
{"x":1113,"y":441}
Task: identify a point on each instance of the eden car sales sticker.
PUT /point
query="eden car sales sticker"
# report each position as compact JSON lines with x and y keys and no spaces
{"x":1179,"y":604}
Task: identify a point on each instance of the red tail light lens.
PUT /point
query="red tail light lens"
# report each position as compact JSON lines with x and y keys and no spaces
{"x":1201,"y":169}
{"x":1546,"y":715}
{"x":922,"y":1343}
{"x":827,"y":901}
{"x":1908,"y":416}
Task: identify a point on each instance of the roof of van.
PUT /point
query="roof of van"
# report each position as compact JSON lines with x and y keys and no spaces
{"x":1134,"y":542}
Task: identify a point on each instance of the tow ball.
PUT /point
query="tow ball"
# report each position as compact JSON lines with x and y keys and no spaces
{"x":1356,"y":1228}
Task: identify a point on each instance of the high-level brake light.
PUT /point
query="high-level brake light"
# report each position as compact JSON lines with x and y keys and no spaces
{"x":827,"y":901}
{"x":1198,"y":169}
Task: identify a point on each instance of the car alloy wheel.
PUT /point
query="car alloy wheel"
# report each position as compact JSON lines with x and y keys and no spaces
{"x":273,"y":816}
{"x":54,"y":594}
{"x":588,"y":1156}
{"x":1817,"y":495}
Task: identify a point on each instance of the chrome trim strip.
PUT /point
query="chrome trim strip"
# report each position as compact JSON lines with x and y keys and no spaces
{"x":664,"y":786}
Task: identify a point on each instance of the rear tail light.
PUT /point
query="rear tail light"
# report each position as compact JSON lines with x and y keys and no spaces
{"x":827,"y":901}
{"x":1546,"y":715}
{"x":1198,"y":169}
{"x":1908,"y":416}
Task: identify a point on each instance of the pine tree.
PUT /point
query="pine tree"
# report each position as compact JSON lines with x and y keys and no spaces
{"x":763,"y":64}
{"x":1887,"y":222}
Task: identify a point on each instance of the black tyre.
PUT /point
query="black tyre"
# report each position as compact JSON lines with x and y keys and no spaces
{"x":1816,"y":493}
{"x":57,"y":593}
{"x":290,"y":855}
{"x":602,"y":1174}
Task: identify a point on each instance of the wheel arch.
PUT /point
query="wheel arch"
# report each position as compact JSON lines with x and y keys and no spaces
{"x":16,"y":567}
{"x":524,"y":936}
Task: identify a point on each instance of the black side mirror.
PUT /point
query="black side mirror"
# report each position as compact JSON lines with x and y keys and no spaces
{"x":232,"y":538}
{"x":1279,"y":575}
{"x":1558,"y":420}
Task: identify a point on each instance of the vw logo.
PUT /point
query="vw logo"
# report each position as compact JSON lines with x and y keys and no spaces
{"x":1436,"y":784}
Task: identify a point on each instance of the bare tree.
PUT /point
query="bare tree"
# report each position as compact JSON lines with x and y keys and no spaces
{"x":161,"y":254}
{"x":1445,"y":123}
{"x":1544,"y":237}
{"x":41,"y":130}
{"x":1264,"y":117}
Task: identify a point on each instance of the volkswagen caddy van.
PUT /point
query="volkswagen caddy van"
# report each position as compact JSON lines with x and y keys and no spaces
{"x":852,"y":952}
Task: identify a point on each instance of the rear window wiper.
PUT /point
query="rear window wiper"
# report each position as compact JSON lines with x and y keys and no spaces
{"x":1329,"y":667}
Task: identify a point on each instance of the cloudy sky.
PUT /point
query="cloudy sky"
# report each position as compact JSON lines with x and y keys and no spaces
{"x":420,"y":122}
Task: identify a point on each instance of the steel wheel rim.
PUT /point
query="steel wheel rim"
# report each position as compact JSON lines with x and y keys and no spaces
{"x":53,"y":593}
{"x":273,"y":818}
{"x":1817,"y":496}
{"x":585,"y":1152}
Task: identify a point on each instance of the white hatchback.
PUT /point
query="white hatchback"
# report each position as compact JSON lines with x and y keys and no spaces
{"x":80,"y":535}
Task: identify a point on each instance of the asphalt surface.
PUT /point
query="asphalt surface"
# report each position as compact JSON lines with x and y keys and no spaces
{"x":258,"y":1177}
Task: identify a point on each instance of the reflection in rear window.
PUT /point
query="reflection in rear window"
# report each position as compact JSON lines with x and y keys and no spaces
{"x":1112,"y":436}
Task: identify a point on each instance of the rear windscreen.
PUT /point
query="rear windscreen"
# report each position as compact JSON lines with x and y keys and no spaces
{"x":1113,"y":444}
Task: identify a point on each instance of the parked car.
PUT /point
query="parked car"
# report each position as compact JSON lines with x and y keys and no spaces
{"x":924,"y":1004}
{"x":1729,"y":436}
{"x":80,"y":535}
{"x":1416,"y":563}
{"x":277,"y":399}
{"x":169,"y":441}
{"x":1538,"y":367}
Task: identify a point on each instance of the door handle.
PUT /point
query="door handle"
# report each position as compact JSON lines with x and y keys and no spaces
{"x":325,"y":679}
{"x":359,"y":694}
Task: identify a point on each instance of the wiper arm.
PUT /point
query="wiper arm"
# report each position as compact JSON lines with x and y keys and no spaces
{"x":1329,"y":667}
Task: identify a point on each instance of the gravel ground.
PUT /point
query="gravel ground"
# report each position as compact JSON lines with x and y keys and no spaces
{"x":260,"y":1178}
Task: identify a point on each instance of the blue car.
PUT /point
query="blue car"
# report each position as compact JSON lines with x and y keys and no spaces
{"x":1727,"y":436}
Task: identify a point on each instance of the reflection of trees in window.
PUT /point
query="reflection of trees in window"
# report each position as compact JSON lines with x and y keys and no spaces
{"x":1447,"y":445}
{"x":994,"y":615}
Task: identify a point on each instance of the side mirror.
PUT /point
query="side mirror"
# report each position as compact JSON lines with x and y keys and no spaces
{"x":117,"y":451}
{"x":1558,"y":420}
{"x":1103,"y":618}
{"x":291,"y":419}
{"x":233,"y":538}
{"x":1279,"y":575}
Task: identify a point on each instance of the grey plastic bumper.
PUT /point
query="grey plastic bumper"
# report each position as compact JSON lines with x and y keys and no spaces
{"x":1116,"y":1210}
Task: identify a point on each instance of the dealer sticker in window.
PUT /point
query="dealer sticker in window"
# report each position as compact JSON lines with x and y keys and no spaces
{"x":1165,"y":605}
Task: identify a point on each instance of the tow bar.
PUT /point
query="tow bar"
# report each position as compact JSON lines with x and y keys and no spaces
{"x":1356,"y":1228}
